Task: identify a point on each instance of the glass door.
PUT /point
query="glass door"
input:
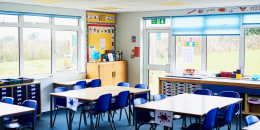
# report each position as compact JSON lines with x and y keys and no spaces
{"x":252,"y":50}
{"x":156,"y":57}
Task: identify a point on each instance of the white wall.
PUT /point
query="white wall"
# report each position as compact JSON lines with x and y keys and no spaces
{"x":129,"y":24}
{"x":46,"y":82}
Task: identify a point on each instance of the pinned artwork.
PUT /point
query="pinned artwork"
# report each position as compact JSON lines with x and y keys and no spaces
{"x":164,"y":118}
{"x":72,"y":103}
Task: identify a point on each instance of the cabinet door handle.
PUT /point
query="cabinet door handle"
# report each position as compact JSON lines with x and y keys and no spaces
{"x":114,"y":73}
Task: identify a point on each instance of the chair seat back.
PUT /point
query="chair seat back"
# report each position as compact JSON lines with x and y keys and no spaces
{"x":28,"y":117}
{"x":103,"y":103}
{"x":94,"y":83}
{"x":251,"y":119}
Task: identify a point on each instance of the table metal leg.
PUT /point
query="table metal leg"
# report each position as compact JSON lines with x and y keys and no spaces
{"x":51,"y":111}
{"x":149,"y":96}
{"x":70,"y":119}
{"x":200,"y":122}
{"x":240,"y":116}
{"x":91,"y":116}
{"x":134,"y":111}
{"x":134,"y":119}
{"x":33,"y":120}
{"x":129,"y":110}
{"x":1,"y":123}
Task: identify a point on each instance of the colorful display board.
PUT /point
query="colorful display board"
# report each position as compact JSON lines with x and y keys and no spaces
{"x":100,"y":33}
{"x":101,"y":18}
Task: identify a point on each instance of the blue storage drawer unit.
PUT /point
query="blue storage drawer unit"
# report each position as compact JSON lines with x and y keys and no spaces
{"x":5,"y":92}
{"x":19,"y":94}
{"x":252,"y":91}
{"x":33,"y":93}
{"x":216,"y":89}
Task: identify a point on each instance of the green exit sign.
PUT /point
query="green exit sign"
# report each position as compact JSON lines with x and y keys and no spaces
{"x":158,"y":21}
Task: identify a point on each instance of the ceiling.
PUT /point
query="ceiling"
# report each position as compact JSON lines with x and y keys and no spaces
{"x":135,"y":5}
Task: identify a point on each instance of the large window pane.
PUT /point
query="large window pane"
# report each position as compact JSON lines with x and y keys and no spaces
{"x":222,"y":53}
{"x":37,"y":51}
{"x":36,"y":19}
{"x":66,"y":21}
{"x":9,"y":52}
{"x":252,"y":51}
{"x":66,"y":50}
{"x":188,"y":52}
{"x":158,"y":48}
{"x":8,"y":18}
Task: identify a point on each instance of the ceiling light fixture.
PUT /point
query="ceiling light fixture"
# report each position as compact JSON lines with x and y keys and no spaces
{"x":172,"y":3}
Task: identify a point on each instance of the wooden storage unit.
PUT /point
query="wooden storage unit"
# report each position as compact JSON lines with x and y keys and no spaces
{"x":245,"y":88}
{"x":110,"y":73}
{"x":21,"y":92}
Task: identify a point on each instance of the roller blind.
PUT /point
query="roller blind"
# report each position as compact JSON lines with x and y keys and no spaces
{"x":206,"y":25}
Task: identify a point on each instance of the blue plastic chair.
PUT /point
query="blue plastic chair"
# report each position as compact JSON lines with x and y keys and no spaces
{"x":143,"y":116}
{"x":102,"y":105}
{"x":94,"y":83}
{"x":76,"y":87}
{"x":203,"y":92}
{"x":251,"y":119}
{"x":24,"y":120}
{"x":60,"y":103}
{"x":232,"y":94}
{"x":8,"y":100}
{"x":82,"y":83}
{"x":228,"y":117}
{"x":143,"y":95}
{"x":120,"y":103}
{"x":124,"y":84}
{"x":158,"y":97}
{"x":208,"y":123}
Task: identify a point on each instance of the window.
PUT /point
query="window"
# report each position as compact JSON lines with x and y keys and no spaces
{"x":188,"y":52}
{"x":66,"y":21}
{"x":37,"y":51}
{"x":36,"y":19}
{"x":158,"y":48}
{"x":8,"y":18}
{"x":252,"y":51}
{"x":222,"y":53}
{"x":26,"y":48}
{"x":66,"y":50}
{"x":9,"y":52}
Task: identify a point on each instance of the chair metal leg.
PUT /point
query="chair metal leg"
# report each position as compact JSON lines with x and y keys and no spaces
{"x":120,"y":114}
{"x":80,"y":119}
{"x":128,"y":119}
{"x":56,"y":111}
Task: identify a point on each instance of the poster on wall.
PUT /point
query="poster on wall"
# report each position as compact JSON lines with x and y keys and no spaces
{"x":102,"y":44}
{"x":91,"y":50}
{"x":187,"y":55}
{"x":94,"y":29}
{"x":90,"y":29}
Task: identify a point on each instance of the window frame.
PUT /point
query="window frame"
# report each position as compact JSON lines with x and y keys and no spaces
{"x":22,"y":24}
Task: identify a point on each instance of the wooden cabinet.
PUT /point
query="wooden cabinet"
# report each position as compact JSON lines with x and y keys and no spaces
{"x":110,"y":73}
